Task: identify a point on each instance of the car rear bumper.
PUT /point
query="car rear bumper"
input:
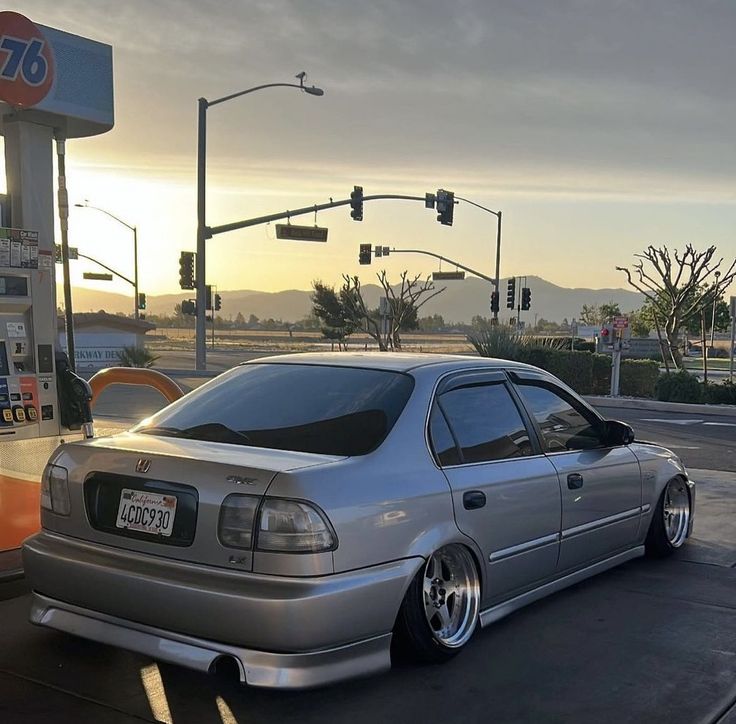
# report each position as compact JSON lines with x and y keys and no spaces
{"x":105,"y":587}
{"x":256,"y":668}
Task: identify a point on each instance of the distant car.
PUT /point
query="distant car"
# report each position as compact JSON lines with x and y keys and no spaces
{"x":297,"y":513}
{"x":694,"y":351}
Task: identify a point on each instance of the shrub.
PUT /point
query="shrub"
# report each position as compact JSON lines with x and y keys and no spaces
{"x":638,"y":377}
{"x":575,"y":369}
{"x":497,"y":341}
{"x":678,"y":386}
{"x":601,"y":374}
{"x":136,"y":357}
{"x":720,"y":394}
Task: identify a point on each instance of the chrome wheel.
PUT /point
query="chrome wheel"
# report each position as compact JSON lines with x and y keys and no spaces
{"x":451,"y":595}
{"x":676,"y":512}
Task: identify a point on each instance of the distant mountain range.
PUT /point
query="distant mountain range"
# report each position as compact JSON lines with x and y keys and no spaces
{"x":460,"y":301}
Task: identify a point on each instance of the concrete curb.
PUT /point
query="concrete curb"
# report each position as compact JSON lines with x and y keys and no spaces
{"x":637,"y":403}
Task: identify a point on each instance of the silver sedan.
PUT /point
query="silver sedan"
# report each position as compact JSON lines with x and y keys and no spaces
{"x":303,"y":516}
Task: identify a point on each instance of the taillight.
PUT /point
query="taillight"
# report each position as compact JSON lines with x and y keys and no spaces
{"x":55,"y":490}
{"x":237,"y":515}
{"x":293,"y":526}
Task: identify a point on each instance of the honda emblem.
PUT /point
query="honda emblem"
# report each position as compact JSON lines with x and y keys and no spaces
{"x":143,"y":465}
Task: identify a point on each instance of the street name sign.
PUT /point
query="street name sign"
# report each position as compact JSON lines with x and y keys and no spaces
{"x":98,"y":276}
{"x":294,"y":232}
{"x":448,"y":275}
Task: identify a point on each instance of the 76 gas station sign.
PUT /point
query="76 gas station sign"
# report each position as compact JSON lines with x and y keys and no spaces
{"x":26,"y":61}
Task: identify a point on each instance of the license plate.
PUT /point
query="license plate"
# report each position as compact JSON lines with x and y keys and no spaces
{"x":146,"y":512}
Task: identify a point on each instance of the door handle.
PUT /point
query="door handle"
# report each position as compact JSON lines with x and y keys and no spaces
{"x":474,"y":499}
{"x":574,"y":481}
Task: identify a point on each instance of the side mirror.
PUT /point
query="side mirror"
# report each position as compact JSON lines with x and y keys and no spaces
{"x":618,"y":433}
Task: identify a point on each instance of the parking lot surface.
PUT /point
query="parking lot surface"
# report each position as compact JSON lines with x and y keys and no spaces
{"x":651,"y":641}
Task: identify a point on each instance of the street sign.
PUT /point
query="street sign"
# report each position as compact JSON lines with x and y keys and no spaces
{"x":73,"y":253}
{"x":98,"y":276}
{"x":448,"y":275}
{"x":294,"y":232}
{"x":620,"y":322}
{"x":733,"y":307}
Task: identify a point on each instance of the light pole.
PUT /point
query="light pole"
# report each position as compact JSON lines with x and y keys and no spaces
{"x":713,"y":315}
{"x":134,"y":229}
{"x":203,"y":232}
{"x":497,"y":214}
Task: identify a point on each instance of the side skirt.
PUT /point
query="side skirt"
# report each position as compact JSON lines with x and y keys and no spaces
{"x":514,"y":604}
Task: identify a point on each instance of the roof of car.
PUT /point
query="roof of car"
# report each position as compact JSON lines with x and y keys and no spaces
{"x":396,"y":361}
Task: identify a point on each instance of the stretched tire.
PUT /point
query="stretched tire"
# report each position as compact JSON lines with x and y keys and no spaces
{"x":669,"y":527}
{"x":439,"y":612}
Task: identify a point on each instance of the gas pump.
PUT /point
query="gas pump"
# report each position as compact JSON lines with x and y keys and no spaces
{"x":53,"y":86}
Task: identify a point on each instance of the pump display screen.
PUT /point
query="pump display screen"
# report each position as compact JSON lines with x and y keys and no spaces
{"x":4,"y":369}
{"x":13,"y":286}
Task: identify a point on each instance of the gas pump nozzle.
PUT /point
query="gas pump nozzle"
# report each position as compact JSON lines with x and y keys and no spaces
{"x":75,"y":397}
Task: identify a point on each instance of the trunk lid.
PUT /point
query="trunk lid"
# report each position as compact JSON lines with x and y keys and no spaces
{"x":199,"y":475}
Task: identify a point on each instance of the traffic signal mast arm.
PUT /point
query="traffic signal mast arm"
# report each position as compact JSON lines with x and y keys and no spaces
{"x":211,"y":231}
{"x":104,"y":266}
{"x":449,"y":261}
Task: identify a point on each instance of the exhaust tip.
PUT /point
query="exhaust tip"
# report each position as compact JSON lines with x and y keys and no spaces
{"x":228,"y":668}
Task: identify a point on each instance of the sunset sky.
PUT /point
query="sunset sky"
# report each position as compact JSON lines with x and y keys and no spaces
{"x":596,"y":127}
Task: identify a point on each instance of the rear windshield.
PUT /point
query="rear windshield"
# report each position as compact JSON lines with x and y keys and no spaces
{"x":305,"y":408}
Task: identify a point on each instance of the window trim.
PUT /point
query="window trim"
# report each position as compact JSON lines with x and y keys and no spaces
{"x":478,"y":378}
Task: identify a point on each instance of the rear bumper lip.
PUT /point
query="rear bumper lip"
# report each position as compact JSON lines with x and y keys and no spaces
{"x":180,"y":601}
{"x":257,"y":668}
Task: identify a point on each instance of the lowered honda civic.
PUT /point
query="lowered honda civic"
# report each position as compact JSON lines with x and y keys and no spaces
{"x":302,"y":516}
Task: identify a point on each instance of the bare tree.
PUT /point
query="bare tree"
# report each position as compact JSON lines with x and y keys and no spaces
{"x":675,"y":285}
{"x":404,"y":301}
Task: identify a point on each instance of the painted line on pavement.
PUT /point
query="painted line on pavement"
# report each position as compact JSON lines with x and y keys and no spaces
{"x":672,"y":422}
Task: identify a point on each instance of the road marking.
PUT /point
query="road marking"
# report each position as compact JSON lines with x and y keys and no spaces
{"x":671,"y":422}
{"x":721,"y":424}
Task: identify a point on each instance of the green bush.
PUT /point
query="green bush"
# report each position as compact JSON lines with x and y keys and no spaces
{"x":601,"y":374}
{"x":575,"y":369}
{"x":721,"y":394}
{"x":638,"y":377}
{"x":136,"y":357}
{"x":678,"y":386}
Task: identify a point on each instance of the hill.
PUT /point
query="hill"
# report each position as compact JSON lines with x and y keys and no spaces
{"x":460,"y":301}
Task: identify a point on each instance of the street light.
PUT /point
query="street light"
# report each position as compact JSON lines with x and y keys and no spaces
{"x":202,"y":230}
{"x":713,"y":315}
{"x":134,"y":229}
{"x":497,"y":214}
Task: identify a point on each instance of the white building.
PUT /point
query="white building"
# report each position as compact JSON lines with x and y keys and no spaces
{"x":99,"y":337}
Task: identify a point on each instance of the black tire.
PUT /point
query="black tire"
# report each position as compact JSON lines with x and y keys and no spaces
{"x":414,"y":636}
{"x":659,"y":543}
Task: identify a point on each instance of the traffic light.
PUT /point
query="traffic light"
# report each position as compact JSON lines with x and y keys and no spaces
{"x":186,"y":270}
{"x":364,"y":257}
{"x":208,"y":296}
{"x":494,"y":301}
{"x":445,"y":201}
{"x":188,"y":307}
{"x":218,"y":302}
{"x":511,"y":293}
{"x":141,"y":300}
{"x":526,"y":298}
{"x":356,"y":203}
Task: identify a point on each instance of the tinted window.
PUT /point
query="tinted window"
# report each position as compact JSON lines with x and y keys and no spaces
{"x":486,"y":423}
{"x":564,"y":425}
{"x":307,"y":408}
{"x":443,"y":444}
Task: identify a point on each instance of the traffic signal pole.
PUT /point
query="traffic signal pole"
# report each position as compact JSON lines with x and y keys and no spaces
{"x":199,"y":273}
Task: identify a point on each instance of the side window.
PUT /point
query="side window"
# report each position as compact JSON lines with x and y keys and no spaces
{"x":486,"y":423}
{"x":564,"y":424}
{"x":443,"y":444}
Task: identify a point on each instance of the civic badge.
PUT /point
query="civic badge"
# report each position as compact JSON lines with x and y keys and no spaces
{"x":240,"y":480}
{"x":143,"y":465}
